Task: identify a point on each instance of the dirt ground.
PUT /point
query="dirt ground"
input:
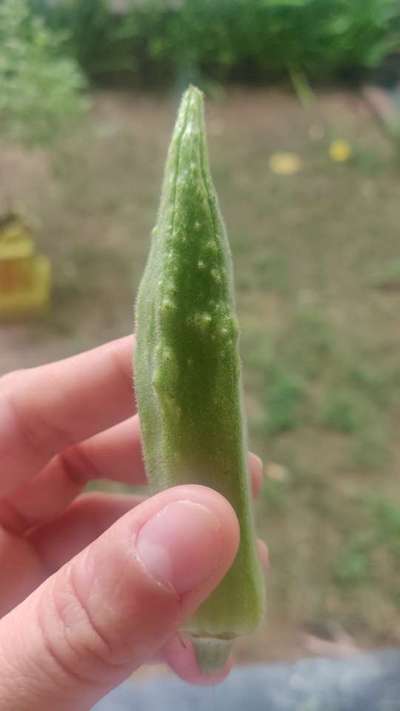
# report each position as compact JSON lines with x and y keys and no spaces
{"x":317,"y":263}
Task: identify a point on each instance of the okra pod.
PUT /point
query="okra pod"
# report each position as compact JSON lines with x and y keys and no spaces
{"x":188,"y":372}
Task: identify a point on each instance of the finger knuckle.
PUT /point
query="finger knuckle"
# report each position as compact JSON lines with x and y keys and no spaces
{"x":33,"y":429}
{"x":76,"y":466}
{"x":71,"y":636}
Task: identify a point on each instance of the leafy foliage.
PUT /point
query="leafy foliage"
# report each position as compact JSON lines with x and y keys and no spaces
{"x":101,"y":41}
{"x":40,"y":88}
{"x":176,"y":40}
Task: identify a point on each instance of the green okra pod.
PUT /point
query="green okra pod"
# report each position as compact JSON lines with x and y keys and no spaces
{"x":187,"y":372}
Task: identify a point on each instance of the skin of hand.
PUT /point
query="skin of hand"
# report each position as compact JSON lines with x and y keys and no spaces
{"x":94,"y":585}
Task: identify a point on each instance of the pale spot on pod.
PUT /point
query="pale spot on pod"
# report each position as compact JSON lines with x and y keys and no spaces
{"x":156,"y":378}
{"x":202,"y":320}
{"x":211,"y":247}
{"x":231,"y":326}
{"x":169,"y":404}
{"x":216,"y":275}
{"x":167,"y":305}
{"x":201,"y":265}
{"x":170,"y":257}
{"x":190,"y":129}
{"x":167,"y":353}
{"x":165,"y":376}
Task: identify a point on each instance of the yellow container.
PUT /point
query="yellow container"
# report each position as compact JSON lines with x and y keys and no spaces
{"x":25,"y":278}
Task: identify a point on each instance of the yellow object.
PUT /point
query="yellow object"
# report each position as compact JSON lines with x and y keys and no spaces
{"x":340,"y":151}
{"x":285,"y":163}
{"x":25,"y":278}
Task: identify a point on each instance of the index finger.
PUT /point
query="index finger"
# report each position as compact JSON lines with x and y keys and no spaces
{"x":47,"y":408}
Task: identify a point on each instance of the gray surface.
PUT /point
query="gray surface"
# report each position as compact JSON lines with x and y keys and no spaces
{"x":368,"y":682}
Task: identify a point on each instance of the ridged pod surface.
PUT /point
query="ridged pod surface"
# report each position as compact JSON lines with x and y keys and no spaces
{"x":187,"y":372}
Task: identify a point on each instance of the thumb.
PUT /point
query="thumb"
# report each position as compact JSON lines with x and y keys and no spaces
{"x":116,"y":604}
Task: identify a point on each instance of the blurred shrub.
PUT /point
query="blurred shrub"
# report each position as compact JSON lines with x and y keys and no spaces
{"x":40,"y":89}
{"x":156,"y":41}
{"x":102,"y":41}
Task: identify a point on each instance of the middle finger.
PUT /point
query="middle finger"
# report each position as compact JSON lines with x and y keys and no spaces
{"x":115,"y":454}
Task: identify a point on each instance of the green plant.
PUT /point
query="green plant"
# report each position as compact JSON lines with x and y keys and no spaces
{"x":102,"y":41}
{"x":370,"y":448}
{"x":359,"y":557}
{"x":352,"y":566}
{"x":276,"y":495}
{"x":310,"y":342}
{"x":187,"y":371}
{"x":40,"y":89}
{"x":388,"y":276}
{"x":342,"y":411}
{"x":385,"y":515}
{"x":160,"y":41}
{"x":376,"y":383}
{"x":284,"y":393}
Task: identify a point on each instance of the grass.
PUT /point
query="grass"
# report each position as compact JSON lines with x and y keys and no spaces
{"x":366,"y":553}
{"x":371,"y":449}
{"x":388,"y":276}
{"x":342,"y":411}
{"x":284,"y":394}
{"x":312,"y":378}
{"x":317,"y":268}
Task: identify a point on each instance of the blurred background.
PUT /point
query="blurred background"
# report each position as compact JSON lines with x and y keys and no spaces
{"x":303,"y":115}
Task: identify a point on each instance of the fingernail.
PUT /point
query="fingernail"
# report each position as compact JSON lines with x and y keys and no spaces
{"x":180,"y":546}
{"x":257,"y":460}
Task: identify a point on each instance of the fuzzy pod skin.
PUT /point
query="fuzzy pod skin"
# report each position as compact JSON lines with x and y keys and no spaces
{"x":187,"y":373}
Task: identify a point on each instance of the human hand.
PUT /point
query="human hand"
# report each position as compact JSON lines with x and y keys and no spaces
{"x":94,"y":585}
